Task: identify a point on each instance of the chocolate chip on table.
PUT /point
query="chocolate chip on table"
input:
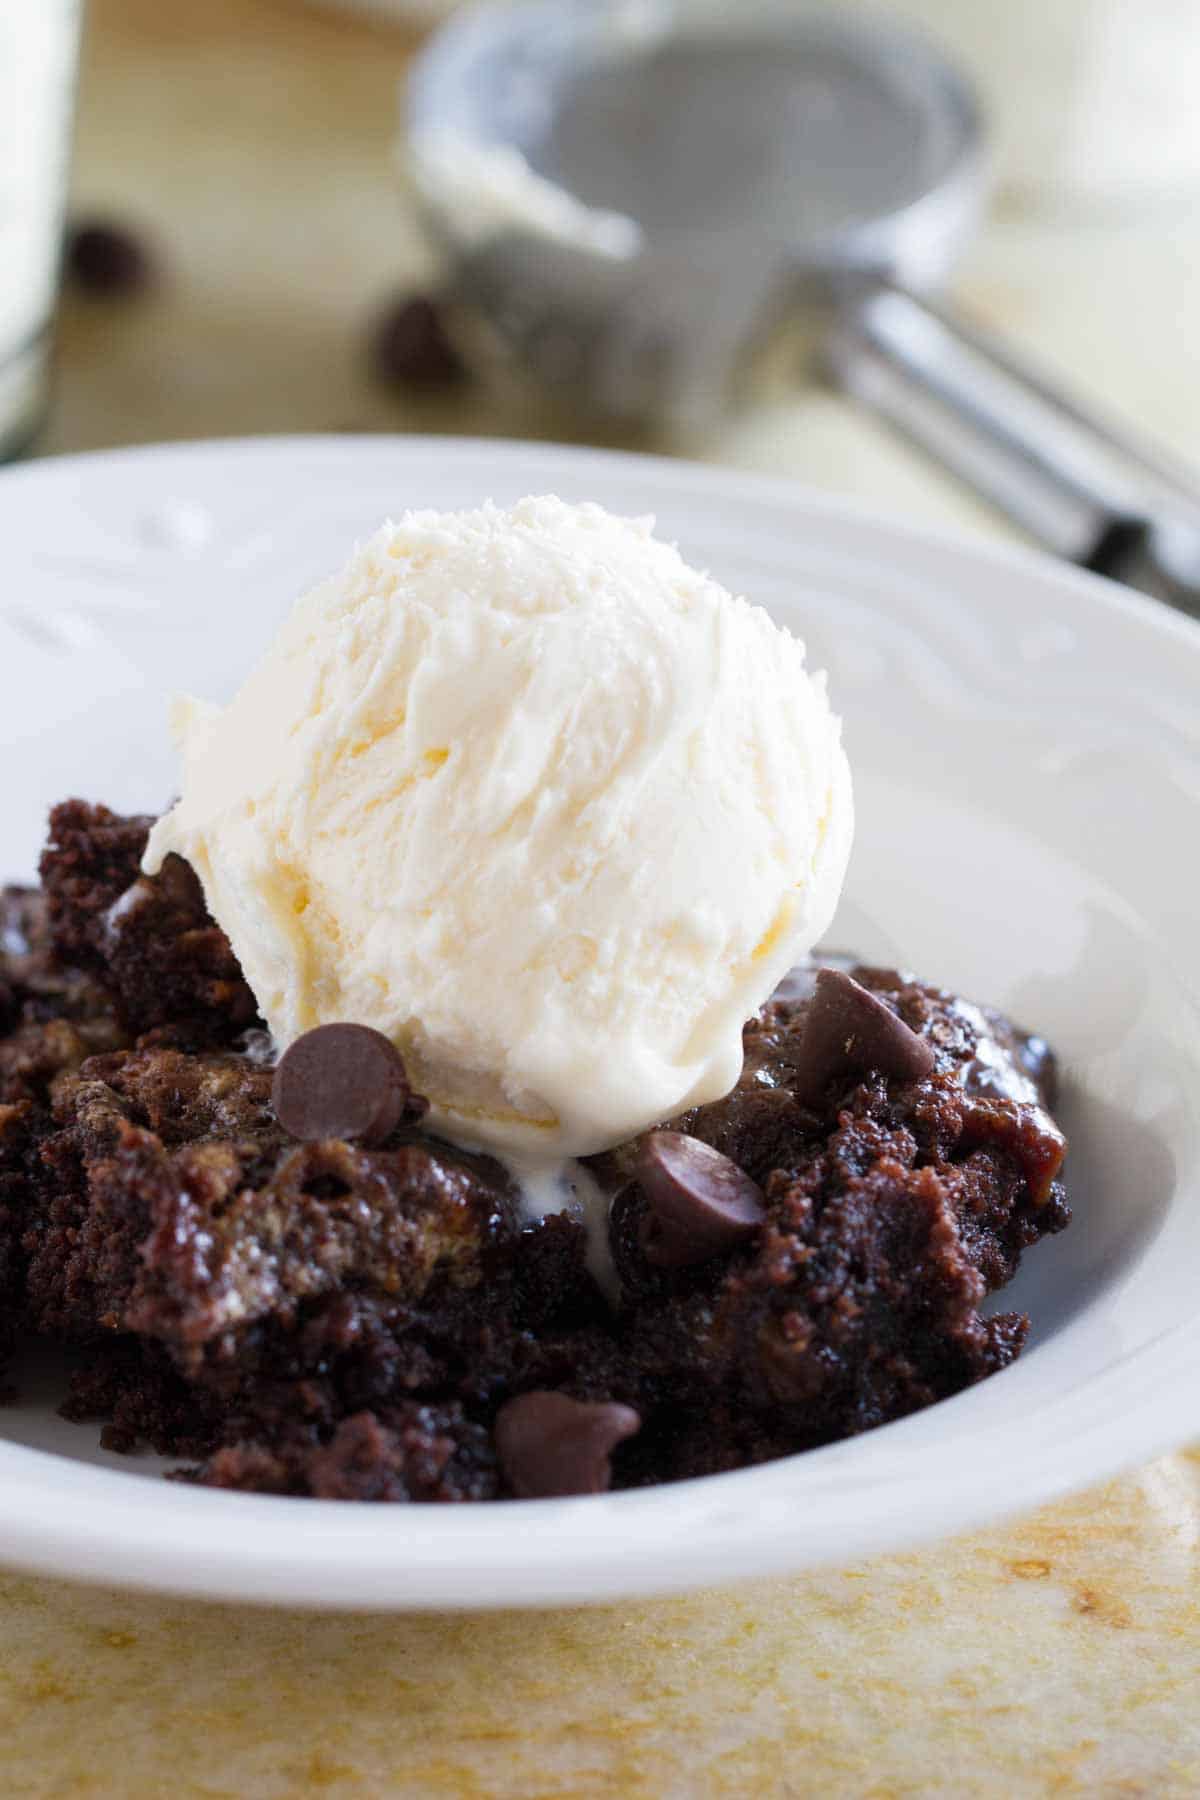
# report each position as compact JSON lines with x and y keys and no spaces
{"x":699,"y":1202}
{"x":846,"y":1027}
{"x":340,"y":1081}
{"x":551,"y":1445}
{"x":104,"y":258}
{"x":410,"y":346}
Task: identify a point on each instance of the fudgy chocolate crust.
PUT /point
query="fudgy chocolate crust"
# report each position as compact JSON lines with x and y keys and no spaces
{"x":165,"y":963}
{"x":341,"y":1321}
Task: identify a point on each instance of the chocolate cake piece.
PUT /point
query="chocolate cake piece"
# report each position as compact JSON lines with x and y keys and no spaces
{"x":52,"y":1018}
{"x":223,"y":1254}
{"x":893,"y":1208}
{"x":133,"y":1388}
{"x":234,"y":1289}
{"x":983,"y":1111}
{"x":14,"y":1146}
{"x":334,"y":1320}
{"x":151,"y":940}
{"x":169,"y":1203}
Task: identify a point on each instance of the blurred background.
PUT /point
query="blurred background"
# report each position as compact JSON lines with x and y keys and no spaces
{"x":245,"y":255}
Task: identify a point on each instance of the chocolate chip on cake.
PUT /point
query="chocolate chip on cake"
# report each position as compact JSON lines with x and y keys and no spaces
{"x":551,"y":1445}
{"x":341,"y":1081}
{"x":846,"y":1027}
{"x":700,"y":1203}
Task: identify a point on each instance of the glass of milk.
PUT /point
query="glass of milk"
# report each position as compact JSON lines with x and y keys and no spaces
{"x":39,"y":43}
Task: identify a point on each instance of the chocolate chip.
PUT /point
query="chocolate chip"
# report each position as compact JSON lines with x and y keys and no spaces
{"x":340,"y":1081}
{"x":107,"y":259}
{"x":798,"y":984}
{"x":410,"y":346}
{"x":551,"y":1445}
{"x":846,"y":1027}
{"x":700,"y":1202}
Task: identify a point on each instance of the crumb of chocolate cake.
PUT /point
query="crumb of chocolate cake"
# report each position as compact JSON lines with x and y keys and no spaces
{"x":164,"y":960}
{"x":222,"y":1254}
{"x":182,"y":1099}
{"x":91,"y":858}
{"x":553,"y":1289}
{"x":134,"y":1389}
{"x":339,"y":1321}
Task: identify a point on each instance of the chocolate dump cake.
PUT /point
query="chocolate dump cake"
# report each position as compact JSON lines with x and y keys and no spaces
{"x":363,"y":1313}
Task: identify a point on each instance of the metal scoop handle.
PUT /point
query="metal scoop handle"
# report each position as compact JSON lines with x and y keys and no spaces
{"x":1084,"y":487}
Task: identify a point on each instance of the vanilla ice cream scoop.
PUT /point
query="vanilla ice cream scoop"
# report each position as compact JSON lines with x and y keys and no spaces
{"x":528,"y":794}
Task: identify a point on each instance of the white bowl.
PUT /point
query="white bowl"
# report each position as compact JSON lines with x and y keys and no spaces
{"x":1027,"y":765}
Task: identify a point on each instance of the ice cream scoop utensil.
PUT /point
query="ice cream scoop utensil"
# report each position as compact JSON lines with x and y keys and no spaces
{"x":636,"y":197}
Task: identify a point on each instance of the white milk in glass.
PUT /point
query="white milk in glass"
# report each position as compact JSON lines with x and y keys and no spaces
{"x":39,"y":42}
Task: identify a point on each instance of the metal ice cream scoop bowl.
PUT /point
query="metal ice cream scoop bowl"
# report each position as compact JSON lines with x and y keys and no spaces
{"x":637,"y":196}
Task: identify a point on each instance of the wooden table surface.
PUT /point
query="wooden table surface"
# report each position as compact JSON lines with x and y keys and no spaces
{"x":1057,"y":1655}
